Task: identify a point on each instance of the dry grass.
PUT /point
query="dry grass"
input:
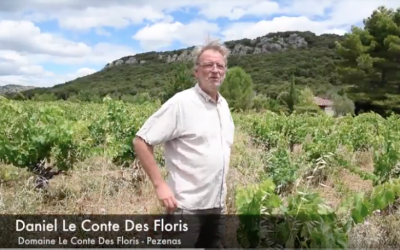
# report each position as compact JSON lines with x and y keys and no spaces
{"x":378,"y":231}
{"x":364,"y":160}
{"x":94,"y":187}
{"x":328,"y":192}
{"x":97,"y":186}
{"x":341,"y":182}
{"x":353,"y":182}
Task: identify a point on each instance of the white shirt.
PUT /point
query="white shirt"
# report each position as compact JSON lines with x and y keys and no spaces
{"x":197,"y":133}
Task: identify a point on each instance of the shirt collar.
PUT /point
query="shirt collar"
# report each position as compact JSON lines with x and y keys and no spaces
{"x":205,"y":95}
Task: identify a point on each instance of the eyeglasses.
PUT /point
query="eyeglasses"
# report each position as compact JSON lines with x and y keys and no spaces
{"x":210,"y":65}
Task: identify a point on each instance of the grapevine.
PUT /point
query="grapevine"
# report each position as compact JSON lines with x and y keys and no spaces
{"x":59,"y":134}
{"x":34,"y":135}
{"x":302,"y":219}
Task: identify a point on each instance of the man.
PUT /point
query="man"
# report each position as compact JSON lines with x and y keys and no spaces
{"x":197,"y":129}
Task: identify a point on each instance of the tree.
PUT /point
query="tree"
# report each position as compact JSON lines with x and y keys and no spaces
{"x":237,"y":89}
{"x":260,"y":102}
{"x":342,"y":105}
{"x":289,"y":96}
{"x":292,"y":100}
{"x":305,"y":102}
{"x":179,"y":80}
{"x":370,"y":55}
{"x":44,"y":97}
{"x":306,"y":97}
{"x":139,"y":98}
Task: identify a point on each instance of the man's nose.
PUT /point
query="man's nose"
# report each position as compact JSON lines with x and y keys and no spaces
{"x":214,"y":68}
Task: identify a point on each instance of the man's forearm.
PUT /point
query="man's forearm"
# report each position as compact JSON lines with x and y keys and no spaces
{"x":145,"y":155}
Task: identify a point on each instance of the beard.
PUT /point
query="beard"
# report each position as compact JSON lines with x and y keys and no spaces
{"x":215,"y":82}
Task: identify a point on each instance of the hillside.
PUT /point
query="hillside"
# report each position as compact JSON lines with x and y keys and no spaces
{"x":12,"y":88}
{"x":270,"y":60}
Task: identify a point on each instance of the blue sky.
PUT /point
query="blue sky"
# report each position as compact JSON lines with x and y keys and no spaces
{"x":46,"y":43}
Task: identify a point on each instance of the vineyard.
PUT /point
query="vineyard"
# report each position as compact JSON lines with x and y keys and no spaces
{"x":291,"y":162}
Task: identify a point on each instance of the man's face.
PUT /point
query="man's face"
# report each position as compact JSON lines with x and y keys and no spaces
{"x":211,"y":71}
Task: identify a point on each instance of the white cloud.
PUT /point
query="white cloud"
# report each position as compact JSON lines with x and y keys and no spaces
{"x":102,"y":32}
{"x":295,"y":16}
{"x":82,"y":15}
{"x":24,"y":36}
{"x":99,"y":55}
{"x":234,"y":10}
{"x":159,"y":35}
{"x":115,"y":16}
{"x":16,"y":68}
{"x":85,"y":71}
{"x":253,"y":30}
{"x":308,"y":8}
{"x":26,"y":50}
{"x":85,"y":15}
{"x":12,"y":63}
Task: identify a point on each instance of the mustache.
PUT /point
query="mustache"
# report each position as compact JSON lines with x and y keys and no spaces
{"x":216,"y":76}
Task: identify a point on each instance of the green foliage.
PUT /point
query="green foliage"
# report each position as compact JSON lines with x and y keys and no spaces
{"x":282,"y":168}
{"x":237,"y":89}
{"x":66,"y":132}
{"x":31,"y":134}
{"x":179,"y":80}
{"x":306,"y":97}
{"x":306,"y":103}
{"x":139,"y":98}
{"x":44,"y":97}
{"x":85,"y":96}
{"x":369,"y":58}
{"x":292,"y":98}
{"x":303,"y":220}
{"x":342,"y":105}
{"x":260,"y":102}
{"x":322,"y":135}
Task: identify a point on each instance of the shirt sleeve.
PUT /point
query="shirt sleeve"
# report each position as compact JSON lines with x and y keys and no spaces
{"x":164,"y":125}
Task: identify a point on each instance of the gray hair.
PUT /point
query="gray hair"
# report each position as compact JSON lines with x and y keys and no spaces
{"x":215,"y":45}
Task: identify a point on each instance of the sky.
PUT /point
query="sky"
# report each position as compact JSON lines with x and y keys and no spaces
{"x":48,"y":42}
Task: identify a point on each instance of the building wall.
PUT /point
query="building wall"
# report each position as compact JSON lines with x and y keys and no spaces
{"x":329,"y":111}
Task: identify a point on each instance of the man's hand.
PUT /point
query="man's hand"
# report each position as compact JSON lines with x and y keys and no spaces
{"x":166,"y":197}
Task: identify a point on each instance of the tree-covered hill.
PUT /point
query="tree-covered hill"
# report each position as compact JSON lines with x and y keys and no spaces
{"x":270,"y":60}
{"x":363,"y":64}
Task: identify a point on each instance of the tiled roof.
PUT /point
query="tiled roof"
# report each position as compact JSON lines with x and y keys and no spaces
{"x":322,"y":102}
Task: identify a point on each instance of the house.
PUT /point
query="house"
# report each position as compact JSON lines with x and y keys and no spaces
{"x":325,"y":104}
